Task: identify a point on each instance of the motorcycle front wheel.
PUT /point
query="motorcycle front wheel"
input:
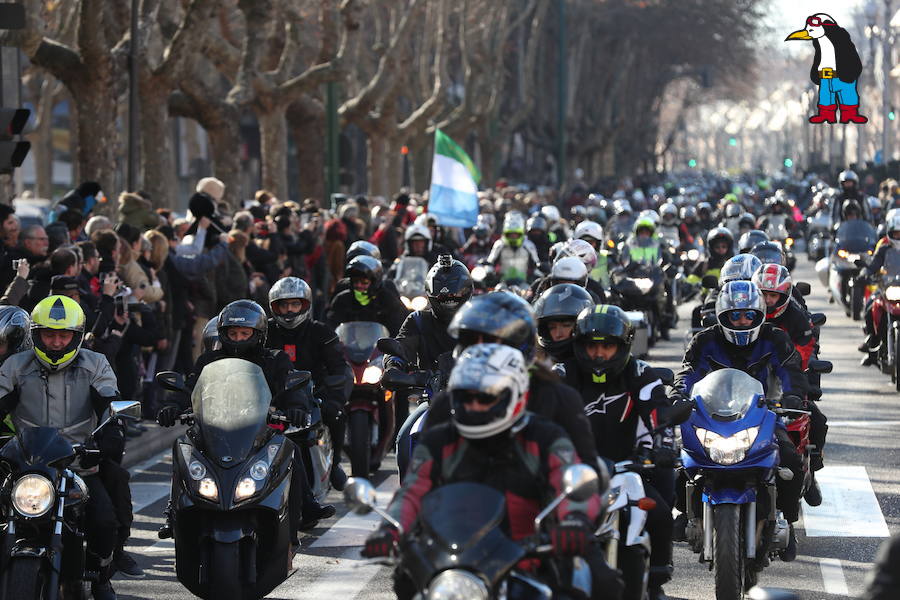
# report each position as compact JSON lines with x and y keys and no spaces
{"x":360,"y":428}
{"x":225,"y":581}
{"x":728,"y":550}
{"x":856,"y":301}
{"x":26,"y":579}
{"x":895,"y":372}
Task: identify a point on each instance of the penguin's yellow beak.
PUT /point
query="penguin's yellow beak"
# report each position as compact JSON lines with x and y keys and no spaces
{"x":800,"y":34}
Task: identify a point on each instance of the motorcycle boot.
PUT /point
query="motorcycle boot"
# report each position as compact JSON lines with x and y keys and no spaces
{"x":813,"y":495}
{"x":789,"y":554}
{"x":656,"y":578}
{"x":101,"y":588}
{"x":165,"y":530}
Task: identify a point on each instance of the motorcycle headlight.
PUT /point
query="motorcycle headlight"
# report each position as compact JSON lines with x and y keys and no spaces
{"x":612,"y":496}
{"x":33,"y":495}
{"x":246,"y":487}
{"x":406,"y":302}
{"x":479,"y":273}
{"x":727,"y":450}
{"x":419,"y":303}
{"x":644,"y":284}
{"x":208,"y":489}
{"x":789,"y":242}
{"x":892,"y":293}
{"x":372,"y":374}
{"x":456,"y":584}
{"x":843,"y":253}
{"x":693,"y":254}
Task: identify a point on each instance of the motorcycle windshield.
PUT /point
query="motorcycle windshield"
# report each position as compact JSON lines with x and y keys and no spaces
{"x":43,"y":445}
{"x":727,"y":394}
{"x":856,"y":236}
{"x":462,"y":513}
{"x":359,"y":338}
{"x":410,"y":277}
{"x":231,"y":402}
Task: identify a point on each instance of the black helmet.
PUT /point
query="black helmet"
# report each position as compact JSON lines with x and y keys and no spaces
{"x":562,"y":302}
{"x":211,"y":335}
{"x":536,"y":223}
{"x":243,"y":313}
{"x":495,"y":317}
{"x":768,"y":252}
{"x":362,"y":248}
{"x":481,"y":231}
{"x":848,"y":175}
{"x":448,"y":286}
{"x":752,"y":238}
{"x":747,"y":220}
{"x":366,"y":267}
{"x":732,"y":210}
{"x":603,"y":323}
{"x":850,"y":206}
{"x":15,"y":330}
{"x":720,"y":234}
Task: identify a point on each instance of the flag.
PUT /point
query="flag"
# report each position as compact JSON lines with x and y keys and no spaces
{"x":453,"y":198}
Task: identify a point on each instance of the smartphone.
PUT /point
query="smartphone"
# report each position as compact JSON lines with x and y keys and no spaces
{"x":121,"y":303}
{"x":16,"y":263}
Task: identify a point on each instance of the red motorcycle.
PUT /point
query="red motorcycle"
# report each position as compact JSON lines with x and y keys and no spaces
{"x":886,"y":319}
{"x":371,"y":421}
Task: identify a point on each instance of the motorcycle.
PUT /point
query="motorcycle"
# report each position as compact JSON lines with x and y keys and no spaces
{"x":458,"y":549}
{"x":693,"y":261}
{"x":371,"y":419}
{"x":410,"y":280}
{"x":730,"y":459}
{"x":819,"y":235}
{"x":231,"y":477}
{"x":44,"y":500}
{"x":639,"y":287}
{"x":886,"y":319}
{"x":777,"y":232}
{"x":852,"y":250}
{"x":315,"y":443}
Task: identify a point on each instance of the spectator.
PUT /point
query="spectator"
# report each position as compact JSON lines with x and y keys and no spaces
{"x":262,"y":201}
{"x":9,"y":226}
{"x":74,"y":222}
{"x":130,"y":271}
{"x":335,"y":251}
{"x":136,"y":211}
{"x":96,"y":224}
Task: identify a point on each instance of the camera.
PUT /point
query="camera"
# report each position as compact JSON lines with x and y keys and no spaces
{"x":17,"y":262}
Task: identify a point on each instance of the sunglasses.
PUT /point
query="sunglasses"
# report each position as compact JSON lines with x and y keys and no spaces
{"x":476,"y":398}
{"x":737,"y":315}
{"x":817,"y":22}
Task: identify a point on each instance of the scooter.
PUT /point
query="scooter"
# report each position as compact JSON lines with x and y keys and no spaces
{"x":43,"y":500}
{"x":231,"y":477}
{"x":371,"y":418}
{"x":852,"y":250}
{"x":459,"y":550}
{"x":886,"y":319}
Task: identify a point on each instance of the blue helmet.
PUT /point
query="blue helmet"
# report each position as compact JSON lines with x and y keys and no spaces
{"x":738,"y":303}
{"x":739,"y":267}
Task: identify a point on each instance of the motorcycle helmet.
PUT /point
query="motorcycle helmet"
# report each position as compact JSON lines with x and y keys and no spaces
{"x":590,"y":232}
{"x":536,"y":223}
{"x":481,"y":232}
{"x":555,"y":251}
{"x":622,"y":208}
{"x":769,"y":252}
{"x":244,"y":313}
{"x":368,"y":268}
{"x":291,"y":288}
{"x":668,"y":214}
{"x":578,"y":214}
{"x":495,"y":317}
{"x":740,"y":267}
{"x":569,"y":269}
{"x":448,"y":286}
{"x":704,"y":210}
{"x":488,"y":374}
{"x":893,"y":229}
{"x":58,"y":313}
{"x":746,"y":222}
{"x":688,"y":214}
{"x":415,"y":232}
{"x":777,"y":279}
{"x":581,"y":250}
{"x":644,"y":223}
{"x":720,"y":234}
{"x":15,"y":330}
{"x":513,"y":229}
{"x":732,"y":211}
{"x":551,"y":213}
{"x":603,"y":323}
{"x":750,"y":239}
{"x":741,"y":299}
{"x":211,"y":335}
{"x":875,"y":207}
{"x":562,"y":302}
{"x":848,"y":175}
{"x":362,"y":248}
{"x":596,"y":214}
{"x":850,"y":207}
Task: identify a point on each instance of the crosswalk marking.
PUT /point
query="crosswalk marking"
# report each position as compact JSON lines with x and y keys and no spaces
{"x":352,"y":529}
{"x":833,"y":577}
{"x":849,"y":506}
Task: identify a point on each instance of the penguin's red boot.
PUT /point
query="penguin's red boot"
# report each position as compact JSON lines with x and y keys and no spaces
{"x":849,"y":114}
{"x":827,"y":114}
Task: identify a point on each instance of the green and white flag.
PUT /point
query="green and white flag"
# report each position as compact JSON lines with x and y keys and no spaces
{"x":453,"y":198}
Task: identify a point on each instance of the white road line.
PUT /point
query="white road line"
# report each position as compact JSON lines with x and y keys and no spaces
{"x":849,"y":506}
{"x":145,"y":493}
{"x":833,"y":577}
{"x":150,"y":462}
{"x":864,"y":424}
{"x":352,"y":529}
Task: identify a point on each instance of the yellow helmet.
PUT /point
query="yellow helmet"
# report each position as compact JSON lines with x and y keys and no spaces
{"x":59,"y":313}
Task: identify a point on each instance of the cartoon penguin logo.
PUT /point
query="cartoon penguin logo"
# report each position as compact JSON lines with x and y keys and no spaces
{"x":835,"y":69}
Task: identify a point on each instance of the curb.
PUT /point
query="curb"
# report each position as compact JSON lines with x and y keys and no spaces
{"x":150,"y":443}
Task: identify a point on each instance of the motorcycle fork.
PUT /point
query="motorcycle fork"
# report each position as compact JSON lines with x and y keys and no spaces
{"x":56,"y":546}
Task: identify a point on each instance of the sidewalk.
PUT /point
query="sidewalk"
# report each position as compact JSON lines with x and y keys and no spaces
{"x":153,"y":441}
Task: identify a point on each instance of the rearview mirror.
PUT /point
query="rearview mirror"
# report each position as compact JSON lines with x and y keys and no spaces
{"x":296,"y":380}
{"x":172,"y":381}
{"x":677,"y":414}
{"x":818,"y":319}
{"x":804,"y":288}
{"x":391,"y":346}
{"x":667,"y":376}
{"x":359,"y":494}
{"x":580,"y":482}
{"x":394,"y":379}
{"x":125,"y":409}
{"x":820,"y":366}
{"x":710,"y":282}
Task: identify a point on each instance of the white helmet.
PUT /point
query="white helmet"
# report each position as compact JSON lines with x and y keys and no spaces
{"x":415,"y":230}
{"x":488,"y":372}
{"x":581,"y":250}
{"x":569,"y":269}
{"x":893,"y":224}
{"x":649,"y":214}
{"x":551,"y":213}
{"x":668,"y":213}
{"x":290,"y":288}
{"x":589,"y":229}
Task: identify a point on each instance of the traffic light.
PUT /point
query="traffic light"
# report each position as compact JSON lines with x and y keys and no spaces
{"x":692,"y":163}
{"x":732,"y":141}
{"x":788,"y":163}
{"x":12,"y":120}
{"x":892,"y":115}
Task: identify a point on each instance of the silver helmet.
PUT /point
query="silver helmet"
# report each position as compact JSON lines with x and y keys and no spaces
{"x":291,"y":288}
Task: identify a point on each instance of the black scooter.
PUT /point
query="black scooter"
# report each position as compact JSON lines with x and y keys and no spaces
{"x":231,"y":482}
{"x":43,"y":503}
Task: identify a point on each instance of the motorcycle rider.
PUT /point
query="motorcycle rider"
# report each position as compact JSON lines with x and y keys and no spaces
{"x":556,"y":311}
{"x":15,"y":331}
{"x":493,"y":440}
{"x":741,"y":339}
{"x":885,"y":254}
{"x":566,"y":269}
{"x":312,"y":346}
{"x":536,"y":229}
{"x":751,"y":239}
{"x":367,"y":299}
{"x":785,"y":313}
{"x":643,"y":247}
{"x":478,"y":246}
{"x":243,"y":328}
{"x":514,"y":256}
{"x":622,"y":397}
{"x":62,"y":385}
{"x":364,"y":248}
{"x":592,"y":233}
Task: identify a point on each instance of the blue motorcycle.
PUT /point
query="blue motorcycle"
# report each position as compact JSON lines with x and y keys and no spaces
{"x":730,"y":459}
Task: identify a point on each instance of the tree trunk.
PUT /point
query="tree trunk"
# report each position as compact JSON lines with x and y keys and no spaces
{"x":157,"y":175}
{"x":421,"y":158}
{"x":377,"y":165}
{"x":42,"y":150}
{"x":97,"y":138}
{"x":273,"y":150}
{"x":224,"y":147}
{"x":310,"y":156}
{"x":393,"y":165}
